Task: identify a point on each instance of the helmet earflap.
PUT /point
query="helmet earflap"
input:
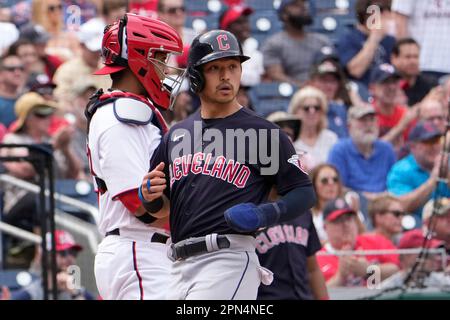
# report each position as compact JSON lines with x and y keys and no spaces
{"x":196,"y":79}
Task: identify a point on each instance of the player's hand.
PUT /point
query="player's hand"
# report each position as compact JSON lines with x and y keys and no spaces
{"x":154,"y":183}
{"x":245,"y":217}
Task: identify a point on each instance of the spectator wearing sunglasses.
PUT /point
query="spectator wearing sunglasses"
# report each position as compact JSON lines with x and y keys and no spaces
{"x":328,"y":186}
{"x":12,"y":81}
{"x":310,"y":105}
{"x":173,"y":12}
{"x":363,"y":160}
{"x":49,"y":14}
{"x":67,"y":251}
{"x":386,"y":213}
{"x":413,"y":179}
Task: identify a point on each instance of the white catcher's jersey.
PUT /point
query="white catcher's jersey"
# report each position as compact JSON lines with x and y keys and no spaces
{"x":120,"y":155}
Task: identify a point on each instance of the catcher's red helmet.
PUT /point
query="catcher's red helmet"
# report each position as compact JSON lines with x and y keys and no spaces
{"x":132,"y":42}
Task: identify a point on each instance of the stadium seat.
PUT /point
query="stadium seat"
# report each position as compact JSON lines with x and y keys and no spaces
{"x":265,"y":22}
{"x":78,"y":190}
{"x":202,"y":23}
{"x":259,"y":5}
{"x":16,"y":278}
{"x":205,"y":6}
{"x":268,"y":97}
{"x":331,"y":25}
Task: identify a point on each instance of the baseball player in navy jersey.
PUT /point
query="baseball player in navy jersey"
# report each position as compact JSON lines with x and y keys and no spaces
{"x":125,"y":127}
{"x":289,"y":251}
{"x":218,"y":175}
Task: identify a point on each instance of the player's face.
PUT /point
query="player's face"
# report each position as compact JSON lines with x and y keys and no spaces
{"x":327,"y":184}
{"x":222,"y":80}
{"x":160,"y":64}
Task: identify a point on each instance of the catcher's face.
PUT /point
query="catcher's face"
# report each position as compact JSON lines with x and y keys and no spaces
{"x":222,"y":80}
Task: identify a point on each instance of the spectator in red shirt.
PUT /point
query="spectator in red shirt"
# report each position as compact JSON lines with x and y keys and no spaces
{"x":342,"y":231}
{"x":386,"y":213}
{"x":393,"y":119}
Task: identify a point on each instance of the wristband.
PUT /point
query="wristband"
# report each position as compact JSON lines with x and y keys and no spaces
{"x":150,"y":206}
{"x":147,"y":218}
{"x":153,"y":206}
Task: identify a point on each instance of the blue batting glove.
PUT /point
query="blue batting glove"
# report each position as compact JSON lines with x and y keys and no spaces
{"x":248,"y":217}
{"x":245,"y":217}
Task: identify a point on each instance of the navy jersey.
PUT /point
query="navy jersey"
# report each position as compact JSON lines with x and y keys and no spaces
{"x":211,"y":166}
{"x":283,"y":249}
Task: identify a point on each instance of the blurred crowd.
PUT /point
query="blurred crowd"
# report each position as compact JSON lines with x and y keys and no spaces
{"x":368,"y":114}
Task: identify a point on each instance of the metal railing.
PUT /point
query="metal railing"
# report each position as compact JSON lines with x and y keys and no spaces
{"x":93,"y":211}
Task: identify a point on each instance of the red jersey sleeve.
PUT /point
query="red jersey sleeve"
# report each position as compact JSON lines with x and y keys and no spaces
{"x":130,"y":200}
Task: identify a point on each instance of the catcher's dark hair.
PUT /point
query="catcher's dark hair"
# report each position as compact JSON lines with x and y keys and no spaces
{"x":401,"y":42}
{"x":117,"y":76}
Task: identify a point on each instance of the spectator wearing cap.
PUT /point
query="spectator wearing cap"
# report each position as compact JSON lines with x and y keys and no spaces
{"x":236,"y":21}
{"x":310,"y":105}
{"x":366,"y":44}
{"x":326,"y":77}
{"x":413,"y":179}
{"x":405,"y":58}
{"x":386,"y":213}
{"x":347,"y":91}
{"x":415,"y":239}
{"x":67,"y":251}
{"x":37,"y":35}
{"x":441,"y":220}
{"x":363,"y":160}
{"x":32,"y":125}
{"x":342,"y":231}
{"x":81,"y":68}
{"x":49,"y":14}
{"x":394,"y":119}
{"x":289,"y":54}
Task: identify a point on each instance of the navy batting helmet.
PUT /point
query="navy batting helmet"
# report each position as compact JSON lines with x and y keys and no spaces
{"x":210,"y":46}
